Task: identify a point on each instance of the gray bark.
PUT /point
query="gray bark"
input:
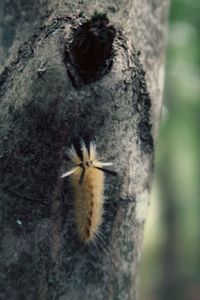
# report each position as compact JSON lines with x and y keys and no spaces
{"x":40,"y":113}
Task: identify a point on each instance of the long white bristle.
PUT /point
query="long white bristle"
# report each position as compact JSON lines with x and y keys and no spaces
{"x":84,"y":151}
{"x":92,"y":151}
{"x":73,"y":156}
{"x":101,"y":164}
{"x":68,"y":173}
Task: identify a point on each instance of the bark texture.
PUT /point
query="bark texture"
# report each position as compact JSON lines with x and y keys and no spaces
{"x":41,"y":112}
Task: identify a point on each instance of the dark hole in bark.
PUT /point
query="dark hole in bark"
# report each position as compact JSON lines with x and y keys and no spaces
{"x":90,"y":54}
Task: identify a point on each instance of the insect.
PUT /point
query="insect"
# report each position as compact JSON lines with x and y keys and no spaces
{"x":87,"y":179}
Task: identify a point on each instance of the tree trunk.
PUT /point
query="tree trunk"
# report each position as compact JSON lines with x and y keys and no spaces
{"x":47,"y":100}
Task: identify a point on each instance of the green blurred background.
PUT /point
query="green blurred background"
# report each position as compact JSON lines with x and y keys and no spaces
{"x":170,"y":267}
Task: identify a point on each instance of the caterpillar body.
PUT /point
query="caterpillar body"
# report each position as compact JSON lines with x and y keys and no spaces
{"x":87,"y":179}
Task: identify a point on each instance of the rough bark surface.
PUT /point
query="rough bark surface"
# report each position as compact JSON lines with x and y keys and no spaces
{"x":41,"y":112}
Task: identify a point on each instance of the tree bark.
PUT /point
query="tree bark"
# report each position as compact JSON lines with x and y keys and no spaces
{"x":41,"y":112}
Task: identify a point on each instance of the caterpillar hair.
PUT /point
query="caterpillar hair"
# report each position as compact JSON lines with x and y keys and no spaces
{"x":87,"y":179}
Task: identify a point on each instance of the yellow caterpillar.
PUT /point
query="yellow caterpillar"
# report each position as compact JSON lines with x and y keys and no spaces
{"x":87,"y":179}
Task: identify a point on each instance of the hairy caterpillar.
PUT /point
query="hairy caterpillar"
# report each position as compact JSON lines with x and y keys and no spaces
{"x":87,"y":179}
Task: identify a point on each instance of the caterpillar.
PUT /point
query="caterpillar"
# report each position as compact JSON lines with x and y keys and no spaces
{"x":87,"y":180}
